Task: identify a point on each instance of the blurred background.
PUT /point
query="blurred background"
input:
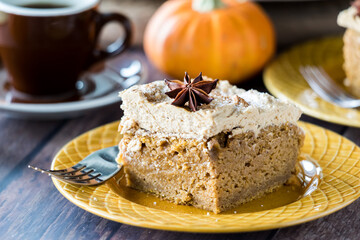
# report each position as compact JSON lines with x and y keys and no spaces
{"x":295,"y":21}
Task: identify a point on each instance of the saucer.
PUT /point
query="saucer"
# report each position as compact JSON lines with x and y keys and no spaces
{"x":338,"y":157}
{"x":284,"y":80}
{"x":96,"y":88}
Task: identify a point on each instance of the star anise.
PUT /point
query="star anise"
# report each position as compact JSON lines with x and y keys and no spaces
{"x":193,"y":91}
{"x":356,"y":4}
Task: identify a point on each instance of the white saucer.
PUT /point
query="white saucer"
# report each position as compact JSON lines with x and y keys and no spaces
{"x":96,"y":89}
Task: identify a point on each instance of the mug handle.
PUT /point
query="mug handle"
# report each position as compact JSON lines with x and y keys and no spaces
{"x":120,"y":44}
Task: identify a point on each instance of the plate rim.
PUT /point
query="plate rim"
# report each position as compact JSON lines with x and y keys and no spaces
{"x":196,"y":229}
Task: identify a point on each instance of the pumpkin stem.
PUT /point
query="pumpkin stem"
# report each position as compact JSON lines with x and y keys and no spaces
{"x":207,"y":5}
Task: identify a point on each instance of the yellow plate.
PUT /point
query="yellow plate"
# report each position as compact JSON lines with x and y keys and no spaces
{"x":339,"y":158}
{"x":283,"y":79}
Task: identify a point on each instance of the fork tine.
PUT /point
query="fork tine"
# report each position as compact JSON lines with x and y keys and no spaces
{"x":69,"y":176}
{"x":84,"y":178}
{"x":92,"y":170}
{"x":327,"y":83}
{"x":80,"y":176}
{"x":333,"y":84}
{"x":316,"y":77}
{"x":323,"y":78}
{"x":84,"y":181}
{"x":71,"y":170}
{"x":326,"y":88}
{"x":341,"y":97}
{"x":309,"y":77}
{"x":331,"y":92}
{"x":76,"y":175}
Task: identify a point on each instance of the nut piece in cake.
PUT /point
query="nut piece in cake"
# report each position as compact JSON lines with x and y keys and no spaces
{"x":239,"y":146}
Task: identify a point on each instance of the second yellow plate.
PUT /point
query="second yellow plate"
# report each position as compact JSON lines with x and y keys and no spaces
{"x":339,"y":158}
{"x":283,"y":79}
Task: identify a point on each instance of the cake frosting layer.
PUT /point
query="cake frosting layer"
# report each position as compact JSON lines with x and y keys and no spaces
{"x":348,"y":18}
{"x":148,"y":110}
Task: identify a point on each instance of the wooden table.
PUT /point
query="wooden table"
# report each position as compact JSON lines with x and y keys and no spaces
{"x":31,"y":207}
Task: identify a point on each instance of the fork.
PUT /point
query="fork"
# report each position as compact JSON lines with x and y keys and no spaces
{"x":93,"y":170}
{"x":326,"y":87}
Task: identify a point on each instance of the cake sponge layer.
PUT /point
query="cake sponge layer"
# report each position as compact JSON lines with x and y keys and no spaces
{"x":214,"y":174}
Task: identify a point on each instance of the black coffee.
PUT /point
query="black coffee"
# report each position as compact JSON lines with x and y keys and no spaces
{"x":41,"y":61}
{"x":45,"y":53}
{"x":44,"y":5}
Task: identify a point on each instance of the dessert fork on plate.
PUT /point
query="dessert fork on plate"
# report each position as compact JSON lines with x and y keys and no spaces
{"x":93,"y":170}
{"x":326,"y":88}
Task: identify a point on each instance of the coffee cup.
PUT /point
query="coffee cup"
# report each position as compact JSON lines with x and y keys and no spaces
{"x":45,"y":45}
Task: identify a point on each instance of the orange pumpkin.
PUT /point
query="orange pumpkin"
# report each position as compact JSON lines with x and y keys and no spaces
{"x":226,"y":39}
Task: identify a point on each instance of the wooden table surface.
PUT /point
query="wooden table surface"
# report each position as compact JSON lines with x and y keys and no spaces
{"x":32,"y":208}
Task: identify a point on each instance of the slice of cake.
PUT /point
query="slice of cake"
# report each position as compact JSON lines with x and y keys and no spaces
{"x":350,"y":19}
{"x":233,"y":148}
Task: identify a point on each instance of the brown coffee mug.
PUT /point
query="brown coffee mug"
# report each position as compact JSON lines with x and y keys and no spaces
{"x":46,"y":44}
